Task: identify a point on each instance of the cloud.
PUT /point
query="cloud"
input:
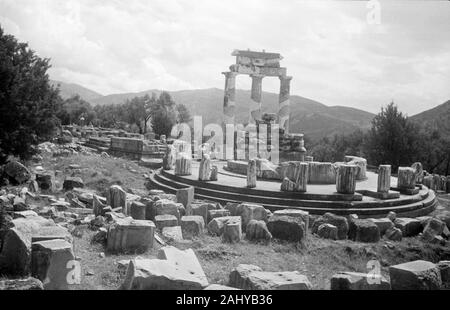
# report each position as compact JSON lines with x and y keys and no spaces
{"x":334,"y":55}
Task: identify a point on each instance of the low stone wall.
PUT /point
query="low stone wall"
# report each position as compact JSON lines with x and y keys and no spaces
{"x":99,"y":143}
{"x":130,"y":145}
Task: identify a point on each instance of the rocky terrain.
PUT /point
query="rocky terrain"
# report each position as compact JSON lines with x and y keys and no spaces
{"x":73,"y":218}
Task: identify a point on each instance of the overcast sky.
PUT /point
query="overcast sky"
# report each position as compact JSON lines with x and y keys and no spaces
{"x":335,"y":54}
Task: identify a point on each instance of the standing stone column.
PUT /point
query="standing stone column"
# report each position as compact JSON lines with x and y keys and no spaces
{"x":301,"y":177}
{"x":183,"y":164}
{"x":204,"y":172}
{"x":229,"y":100}
{"x":255,"y":105}
{"x":169,"y":158}
{"x":251,"y":173}
{"x":116,"y":197}
{"x":284,"y":102}
{"x":406,"y":178}
{"x":346,"y":179}
{"x":384,"y":178}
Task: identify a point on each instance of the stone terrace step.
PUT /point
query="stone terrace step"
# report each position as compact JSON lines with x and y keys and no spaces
{"x":406,"y":208}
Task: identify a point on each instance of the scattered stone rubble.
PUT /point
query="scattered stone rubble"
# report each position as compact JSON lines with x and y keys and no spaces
{"x":37,"y":241}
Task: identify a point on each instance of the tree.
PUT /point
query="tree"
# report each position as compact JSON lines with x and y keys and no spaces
{"x":183,"y":115}
{"x":73,"y":109}
{"x":393,"y":139}
{"x":135,"y":112}
{"x":28,"y":103}
{"x":163,"y":114}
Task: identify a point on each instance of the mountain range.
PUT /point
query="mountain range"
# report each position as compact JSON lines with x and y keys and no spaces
{"x":310,"y":117}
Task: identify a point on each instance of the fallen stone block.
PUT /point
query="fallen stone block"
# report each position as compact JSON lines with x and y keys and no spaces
{"x":27,"y":284}
{"x":394,"y":234}
{"x":232,"y":230}
{"x":116,"y":197}
{"x":15,"y":255}
{"x":409,"y":226}
{"x":173,"y":233}
{"x":304,"y":215}
{"x":232,"y":207}
{"x":98,"y":206}
{"x":157,"y":274}
{"x":257,"y":230}
{"x":250,"y":212}
{"x":250,"y":277}
{"x":166,"y":220}
{"x":150,"y":209}
{"x":45,"y":181}
{"x":202,"y":209}
{"x":186,"y":260}
{"x":286,"y":228}
{"x":358,"y":281}
{"x":72,"y":182}
{"x":383,"y":224}
{"x":433,"y":228}
{"x":365,"y":231}
{"x":129,"y":235}
{"x":329,"y":218}
{"x":51,"y":232}
{"x":327,"y":231}
{"x":416,"y":275}
{"x":165,"y":206}
{"x":215,"y":226}
{"x":137,"y":210}
{"x":17,"y":172}
{"x":49,"y":263}
{"x":192,"y":226}
{"x":185,"y":196}
{"x":212,"y":214}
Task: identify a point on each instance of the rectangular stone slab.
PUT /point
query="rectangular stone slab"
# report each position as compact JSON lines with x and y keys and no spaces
{"x":184,"y":259}
{"x":128,"y":235}
{"x":157,"y":274}
{"x":416,"y":275}
{"x":49,"y":261}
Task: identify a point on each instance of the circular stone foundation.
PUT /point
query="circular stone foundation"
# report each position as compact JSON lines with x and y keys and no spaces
{"x":319,"y":198}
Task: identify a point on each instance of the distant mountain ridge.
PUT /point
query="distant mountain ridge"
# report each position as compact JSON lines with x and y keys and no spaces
{"x":310,"y":117}
{"x":68,"y":90}
{"x":437,"y":117}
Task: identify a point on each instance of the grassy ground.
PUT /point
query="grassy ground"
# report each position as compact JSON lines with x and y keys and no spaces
{"x":316,"y":258}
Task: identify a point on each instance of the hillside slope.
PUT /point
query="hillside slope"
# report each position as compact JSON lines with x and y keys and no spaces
{"x":438,"y":117}
{"x":307,"y":116}
{"x":68,"y":90}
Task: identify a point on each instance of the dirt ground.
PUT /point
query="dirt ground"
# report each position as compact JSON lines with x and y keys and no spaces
{"x":316,"y":258}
